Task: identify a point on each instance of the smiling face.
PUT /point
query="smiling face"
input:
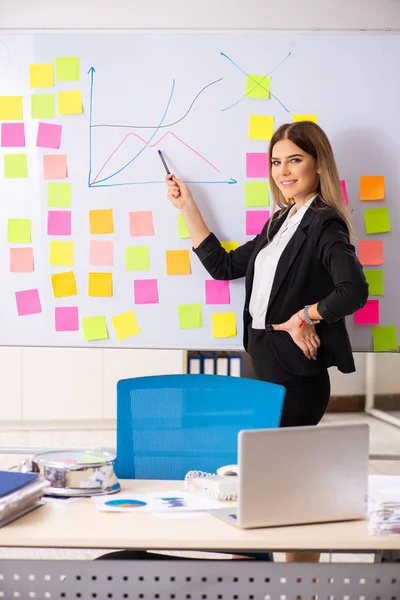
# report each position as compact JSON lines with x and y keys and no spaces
{"x":294,"y":171}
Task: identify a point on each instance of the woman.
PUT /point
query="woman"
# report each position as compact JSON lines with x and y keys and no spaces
{"x":302,"y":274}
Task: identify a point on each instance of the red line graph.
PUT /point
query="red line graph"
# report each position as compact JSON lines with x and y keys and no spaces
{"x":151,"y":146}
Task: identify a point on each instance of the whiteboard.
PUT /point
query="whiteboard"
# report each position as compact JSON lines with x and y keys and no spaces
{"x":184,"y":94}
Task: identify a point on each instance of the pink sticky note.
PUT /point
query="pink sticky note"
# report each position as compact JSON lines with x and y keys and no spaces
{"x":101,"y":253}
{"x":13,"y":135}
{"x":28,"y":302}
{"x":59,"y":222}
{"x":344,"y":190}
{"x":256,"y":164}
{"x":49,"y":136}
{"x":67,"y":318}
{"x":21,"y":260}
{"x":55,"y":166}
{"x":255,"y":221}
{"x":145,"y":291}
{"x":141,"y":223}
{"x":369,"y":314}
{"x":217,"y":292}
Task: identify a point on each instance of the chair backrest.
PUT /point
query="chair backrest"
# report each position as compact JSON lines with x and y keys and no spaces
{"x":168,"y":425}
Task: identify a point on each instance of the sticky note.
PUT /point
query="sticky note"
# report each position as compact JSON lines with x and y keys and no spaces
{"x":19,"y":231}
{"x":100,"y":285}
{"x":49,"y":136}
{"x":55,"y":166}
{"x":59,"y":195}
{"x":15,"y":166}
{"x":11,"y":108}
{"x":255,"y":221}
{"x":256,"y":193}
{"x":372,"y":187}
{"x":145,"y":291}
{"x":61,"y":254}
{"x":385,"y":338}
{"x":42,"y":106}
{"x":217,"y":292}
{"x":66,"y":318}
{"x":178,"y":262}
{"x":183,"y":232}
{"x":190,"y":316}
{"x":375,"y":282}
{"x":258,"y":86}
{"x":94,"y":328}
{"x":101,"y":253}
{"x":64,"y":284}
{"x":12,"y":135}
{"x":28,"y":302}
{"x":141,"y":223}
{"x":137,"y":258}
{"x":125,"y":325}
{"x":256,"y":164}
{"x":369,"y":314}
{"x":101,"y":221}
{"x":370,"y":252}
{"x":377,"y":220}
{"x":344,"y":190}
{"x":70,"y":103}
{"x":59,"y":222}
{"x":302,"y":117}
{"x":261,"y":127}
{"x":67,"y":68}
{"x":230,"y":245}
{"x":223,"y":325}
{"x":21,"y":260}
{"x":41,"y":75}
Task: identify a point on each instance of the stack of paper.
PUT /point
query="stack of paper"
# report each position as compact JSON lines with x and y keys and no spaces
{"x":384,"y":505}
{"x":19,"y":494}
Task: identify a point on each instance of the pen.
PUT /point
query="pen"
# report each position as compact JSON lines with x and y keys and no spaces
{"x":164,"y":163}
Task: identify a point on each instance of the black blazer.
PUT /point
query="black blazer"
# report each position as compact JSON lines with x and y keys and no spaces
{"x":318,"y":265}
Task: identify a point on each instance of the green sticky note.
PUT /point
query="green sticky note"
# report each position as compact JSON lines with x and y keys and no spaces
{"x":94,"y":328}
{"x":42,"y":106}
{"x":375,"y":282}
{"x":190,"y":316}
{"x":67,"y":68}
{"x":377,"y":220}
{"x":258,"y":86}
{"x":19,"y":231}
{"x":137,"y":258}
{"x":59,"y":195}
{"x":91,"y":458}
{"x":256,"y":193}
{"x":182,"y":229}
{"x":15,"y":166}
{"x":384,"y":339}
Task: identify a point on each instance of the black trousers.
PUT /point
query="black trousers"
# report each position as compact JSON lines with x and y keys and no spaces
{"x":306,"y":397}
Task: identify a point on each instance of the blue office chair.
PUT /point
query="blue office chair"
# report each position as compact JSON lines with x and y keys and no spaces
{"x":170,"y":424}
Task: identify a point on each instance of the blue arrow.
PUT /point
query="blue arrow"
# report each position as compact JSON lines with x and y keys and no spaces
{"x":95,"y":185}
{"x":92,"y":71}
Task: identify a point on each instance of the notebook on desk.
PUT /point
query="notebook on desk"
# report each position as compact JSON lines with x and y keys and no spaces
{"x":11,"y":481}
{"x":301,"y":475}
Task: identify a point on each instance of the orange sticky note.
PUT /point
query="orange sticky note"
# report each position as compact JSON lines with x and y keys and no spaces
{"x":101,"y":221}
{"x":370,"y":252}
{"x":64,"y":284}
{"x":100,"y":284}
{"x":178,"y":262}
{"x":55,"y":166}
{"x":372,"y":187}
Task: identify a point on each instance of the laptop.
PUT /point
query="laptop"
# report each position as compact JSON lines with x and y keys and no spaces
{"x":301,"y":475}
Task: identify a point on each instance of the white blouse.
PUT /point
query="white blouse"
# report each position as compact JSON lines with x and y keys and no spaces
{"x":267,"y":262}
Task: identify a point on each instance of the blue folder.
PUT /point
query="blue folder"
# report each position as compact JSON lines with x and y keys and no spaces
{"x":11,"y":481}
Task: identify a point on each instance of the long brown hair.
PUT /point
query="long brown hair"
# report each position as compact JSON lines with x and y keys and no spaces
{"x":313,"y":140}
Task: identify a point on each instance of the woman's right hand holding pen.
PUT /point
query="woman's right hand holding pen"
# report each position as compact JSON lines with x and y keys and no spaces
{"x":178,"y":193}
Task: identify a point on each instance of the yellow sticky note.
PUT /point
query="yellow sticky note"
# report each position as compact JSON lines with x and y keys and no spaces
{"x":372,"y":187}
{"x":64,"y":284}
{"x":182,"y":229}
{"x":125,"y":325}
{"x":19,"y":231}
{"x":101,"y":221}
{"x":15,"y":166}
{"x":258,"y":86}
{"x":11,"y":108}
{"x":261,"y":127}
{"x":70,"y":103}
{"x":94,"y":328}
{"x":230,"y":245}
{"x":41,"y":75}
{"x":42,"y":106}
{"x":223,"y":325}
{"x":100,"y":284}
{"x":299,"y":117}
{"x":67,"y":68}
{"x":62,"y":254}
{"x":178,"y":262}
